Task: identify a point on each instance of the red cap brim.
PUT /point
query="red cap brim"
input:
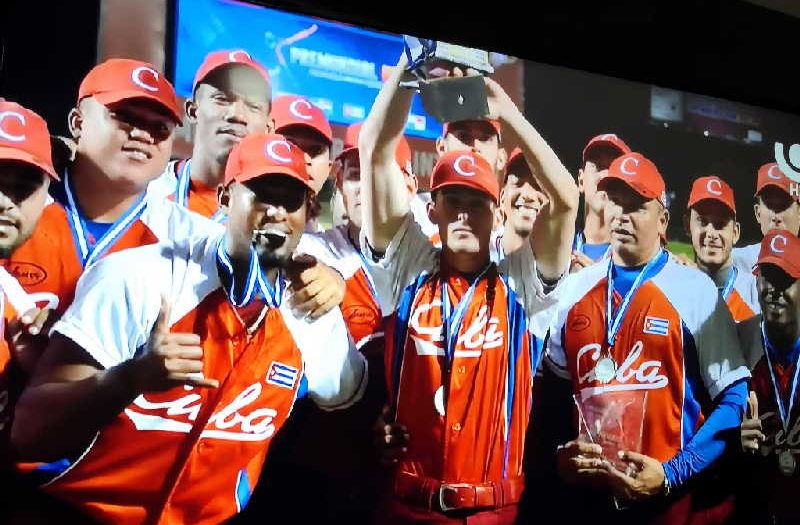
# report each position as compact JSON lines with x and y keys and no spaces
{"x":22,"y":156}
{"x":781,"y":262}
{"x":117,"y":96}
{"x":641,"y":190}
{"x":248,"y":176}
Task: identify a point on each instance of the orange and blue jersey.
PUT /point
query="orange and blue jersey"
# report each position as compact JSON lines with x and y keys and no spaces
{"x":674,"y":339}
{"x":205,"y":447}
{"x":176,"y":184}
{"x":64,"y":243}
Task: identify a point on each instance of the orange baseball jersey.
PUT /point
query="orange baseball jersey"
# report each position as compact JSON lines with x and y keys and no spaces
{"x":466,"y":398}
{"x":676,"y":341}
{"x":176,"y":184}
{"x":360,"y":307}
{"x":13,"y":302}
{"x":50,"y":262}
{"x":191,"y":455}
{"x":779,"y":475}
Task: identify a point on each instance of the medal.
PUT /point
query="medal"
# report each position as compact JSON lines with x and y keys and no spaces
{"x":605,"y":370}
{"x":786,"y":462}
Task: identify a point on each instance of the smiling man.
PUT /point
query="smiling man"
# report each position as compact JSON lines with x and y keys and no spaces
{"x":521,"y":201}
{"x":770,"y":477}
{"x":123,"y":125}
{"x":168,"y":377}
{"x":776,"y":207}
{"x":711,"y":222}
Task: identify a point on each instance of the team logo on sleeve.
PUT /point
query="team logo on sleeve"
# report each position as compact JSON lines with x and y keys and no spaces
{"x":282,"y":375}
{"x":656,"y":325}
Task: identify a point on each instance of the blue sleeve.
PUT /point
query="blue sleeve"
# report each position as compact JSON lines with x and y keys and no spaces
{"x":708,"y":443}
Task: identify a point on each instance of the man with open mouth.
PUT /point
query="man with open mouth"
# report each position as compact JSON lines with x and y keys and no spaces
{"x":168,"y":377}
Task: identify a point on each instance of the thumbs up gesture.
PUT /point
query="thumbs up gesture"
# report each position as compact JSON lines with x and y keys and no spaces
{"x":170,"y":359}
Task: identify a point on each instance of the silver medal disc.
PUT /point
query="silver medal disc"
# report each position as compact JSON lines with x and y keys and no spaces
{"x":605,"y":369}
{"x":786,"y":462}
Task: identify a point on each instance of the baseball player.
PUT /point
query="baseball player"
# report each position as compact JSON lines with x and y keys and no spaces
{"x":777,"y":207}
{"x":710,"y":221}
{"x":770,"y":430}
{"x":26,"y":169}
{"x":231,"y":97}
{"x":123,"y":124}
{"x":592,"y":243}
{"x":340,"y":470}
{"x":459,"y":359}
{"x":643,"y":330}
{"x":521,"y":201}
{"x":178,"y":362}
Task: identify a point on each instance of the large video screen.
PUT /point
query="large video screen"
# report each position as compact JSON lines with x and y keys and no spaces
{"x":338,"y":67}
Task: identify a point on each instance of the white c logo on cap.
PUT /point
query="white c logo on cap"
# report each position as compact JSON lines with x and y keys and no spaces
{"x":232,"y":55}
{"x":270,"y":149}
{"x":608,"y":136}
{"x":136,"y":76}
{"x":773,"y":244}
{"x":5,"y":134}
{"x":293,"y":109}
{"x":462,"y":171}
{"x":714,"y":182}
{"x":623,"y":166}
{"x":772,"y":175}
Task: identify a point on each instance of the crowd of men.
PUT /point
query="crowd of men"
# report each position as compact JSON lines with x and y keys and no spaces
{"x":195,"y":348}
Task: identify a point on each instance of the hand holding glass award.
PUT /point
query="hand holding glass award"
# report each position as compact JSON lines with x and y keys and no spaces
{"x":614,"y":420}
{"x":445,"y":97}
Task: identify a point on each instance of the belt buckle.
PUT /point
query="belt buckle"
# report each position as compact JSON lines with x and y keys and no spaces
{"x":452,"y":487}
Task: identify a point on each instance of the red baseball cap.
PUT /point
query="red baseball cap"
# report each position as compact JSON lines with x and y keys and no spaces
{"x":781,"y":248}
{"x":217,"y":59}
{"x":24,"y":137}
{"x":609,"y":140}
{"x":712,"y":188}
{"x":291,"y":110}
{"x":402,"y":155}
{"x":771,"y":175}
{"x":465,"y":168}
{"x":261,"y":154}
{"x":639,"y":173}
{"x":495,"y":124}
{"x":119,"y":79}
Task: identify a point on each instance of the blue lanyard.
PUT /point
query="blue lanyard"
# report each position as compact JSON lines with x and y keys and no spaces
{"x":255,"y":279}
{"x":614,"y":320}
{"x":781,"y":408}
{"x":182,"y":191}
{"x":88,"y":253}
{"x":728,"y":288}
{"x":453,"y":318}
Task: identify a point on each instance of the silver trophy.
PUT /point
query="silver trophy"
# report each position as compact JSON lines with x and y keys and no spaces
{"x":446,"y":98}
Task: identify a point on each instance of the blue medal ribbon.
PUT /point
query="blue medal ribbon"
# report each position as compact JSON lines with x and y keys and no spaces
{"x":182,"y":191}
{"x":453,"y":318}
{"x":89,"y":253}
{"x":728,"y":288}
{"x":256,"y":281}
{"x":784,"y":414}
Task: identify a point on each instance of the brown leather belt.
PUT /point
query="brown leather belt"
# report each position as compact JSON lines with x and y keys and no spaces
{"x":432,"y":494}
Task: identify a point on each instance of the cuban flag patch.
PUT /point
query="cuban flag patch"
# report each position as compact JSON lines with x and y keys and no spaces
{"x":656,"y":326}
{"x":282,"y":375}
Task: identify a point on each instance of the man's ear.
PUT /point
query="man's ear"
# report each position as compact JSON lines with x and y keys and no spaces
{"x":75,"y":123}
{"x":580,"y":180}
{"x":663,"y":221}
{"x":502,"y":159}
{"x":433,"y":214}
{"x":737,"y":231}
{"x":224,"y":198}
{"x":190,"y":107}
{"x":270,"y":125}
{"x":441,"y":148}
